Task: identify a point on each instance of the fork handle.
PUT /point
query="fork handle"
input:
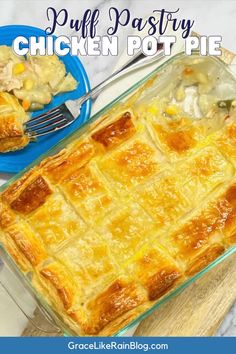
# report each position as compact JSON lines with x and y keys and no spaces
{"x":134,"y":63}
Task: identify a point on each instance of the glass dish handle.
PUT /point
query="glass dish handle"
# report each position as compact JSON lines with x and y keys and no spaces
{"x":7,"y":279}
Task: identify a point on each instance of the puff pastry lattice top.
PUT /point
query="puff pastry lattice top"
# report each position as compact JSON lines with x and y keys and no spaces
{"x":122,"y":216}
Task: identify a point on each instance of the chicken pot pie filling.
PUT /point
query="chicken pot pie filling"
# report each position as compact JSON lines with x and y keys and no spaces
{"x":124,"y":214}
{"x":27,"y":84}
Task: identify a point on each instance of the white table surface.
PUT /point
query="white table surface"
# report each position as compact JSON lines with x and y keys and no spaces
{"x":212,"y":17}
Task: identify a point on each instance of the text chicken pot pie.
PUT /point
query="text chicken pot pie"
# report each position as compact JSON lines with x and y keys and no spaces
{"x":27,"y":84}
{"x":134,"y":205}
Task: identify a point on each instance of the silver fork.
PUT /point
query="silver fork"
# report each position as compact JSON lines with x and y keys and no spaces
{"x":65,"y":114}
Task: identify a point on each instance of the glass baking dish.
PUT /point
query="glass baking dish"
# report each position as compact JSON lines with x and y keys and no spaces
{"x":158,"y":81}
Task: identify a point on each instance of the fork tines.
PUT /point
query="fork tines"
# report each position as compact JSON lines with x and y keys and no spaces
{"x":48,"y":122}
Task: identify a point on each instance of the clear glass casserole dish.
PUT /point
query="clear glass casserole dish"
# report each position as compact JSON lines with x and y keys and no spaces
{"x":160,"y":84}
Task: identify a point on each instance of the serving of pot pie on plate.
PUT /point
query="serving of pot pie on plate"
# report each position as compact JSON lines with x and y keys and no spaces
{"x":140,"y":202}
{"x":27,"y":84}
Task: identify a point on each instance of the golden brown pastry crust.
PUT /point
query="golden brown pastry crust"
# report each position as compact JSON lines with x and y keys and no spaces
{"x":60,"y":281}
{"x":12,"y":144}
{"x":120,"y":217}
{"x":10,"y":126}
{"x":116,"y":300}
{"x":12,"y":117}
{"x":116,"y":132}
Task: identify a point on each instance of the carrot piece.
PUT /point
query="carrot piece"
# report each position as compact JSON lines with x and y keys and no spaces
{"x":26,"y":104}
{"x":188,"y":71}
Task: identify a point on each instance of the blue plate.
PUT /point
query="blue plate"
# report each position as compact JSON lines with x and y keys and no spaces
{"x":12,"y":162}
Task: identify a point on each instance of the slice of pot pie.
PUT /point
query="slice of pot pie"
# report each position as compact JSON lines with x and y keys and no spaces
{"x":33,"y":81}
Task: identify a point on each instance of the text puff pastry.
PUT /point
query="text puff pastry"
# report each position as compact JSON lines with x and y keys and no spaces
{"x":121,"y":216}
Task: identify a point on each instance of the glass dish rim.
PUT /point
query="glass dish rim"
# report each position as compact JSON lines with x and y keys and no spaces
{"x":41,"y":302}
